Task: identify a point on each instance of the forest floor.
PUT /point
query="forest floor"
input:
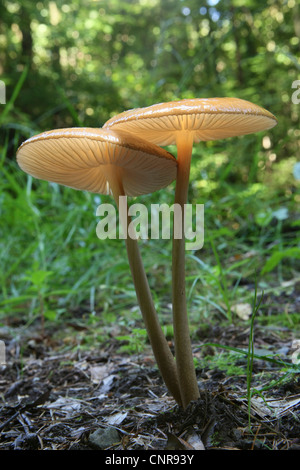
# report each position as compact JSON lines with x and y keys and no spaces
{"x":58,"y":397}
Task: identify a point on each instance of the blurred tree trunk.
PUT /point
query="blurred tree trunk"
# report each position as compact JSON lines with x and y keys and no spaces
{"x":55,"y":59}
{"x":27,"y":41}
{"x":236,"y":37}
{"x":296,"y":20}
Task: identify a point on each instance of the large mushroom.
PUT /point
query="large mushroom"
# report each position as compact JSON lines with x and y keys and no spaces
{"x":99,"y":160}
{"x":183,"y":123}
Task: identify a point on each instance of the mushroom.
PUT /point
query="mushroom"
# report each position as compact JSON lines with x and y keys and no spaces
{"x":183,"y":123}
{"x":98,"y":160}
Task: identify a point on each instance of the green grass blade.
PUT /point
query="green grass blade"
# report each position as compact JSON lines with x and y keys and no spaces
{"x":15,"y":93}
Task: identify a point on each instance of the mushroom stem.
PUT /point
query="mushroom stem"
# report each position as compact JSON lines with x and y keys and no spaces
{"x":162,"y":353}
{"x":183,"y":349}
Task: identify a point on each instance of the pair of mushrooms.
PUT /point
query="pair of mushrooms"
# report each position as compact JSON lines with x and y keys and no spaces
{"x":125,"y":158}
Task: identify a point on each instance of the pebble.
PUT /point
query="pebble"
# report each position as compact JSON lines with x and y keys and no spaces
{"x":104,"y":438}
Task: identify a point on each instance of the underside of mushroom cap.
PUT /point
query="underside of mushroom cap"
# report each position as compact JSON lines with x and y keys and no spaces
{"x":206,"y":118}
{"x":79,"y":158}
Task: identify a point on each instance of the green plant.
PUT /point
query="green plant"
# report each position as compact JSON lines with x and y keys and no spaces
{"x":227,"y":361}
{"x":134,"y":342}
{"x":277,"y":256}
{"x":39,"y":289}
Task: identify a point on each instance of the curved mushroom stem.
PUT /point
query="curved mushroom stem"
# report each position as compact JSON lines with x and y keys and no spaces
{"x":162,"y":353}
{"x":183,"y":350}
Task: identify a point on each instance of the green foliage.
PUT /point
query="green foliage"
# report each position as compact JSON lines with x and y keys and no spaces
{"x":278,"y":256}
{"x":78,"y":63}
{"x":228,"y":362}
{"x":134,"y":342}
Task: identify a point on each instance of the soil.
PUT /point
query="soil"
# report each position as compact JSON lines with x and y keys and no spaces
{"x":57,"y":396}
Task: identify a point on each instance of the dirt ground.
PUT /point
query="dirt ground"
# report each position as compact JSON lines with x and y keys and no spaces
{"x":56,"y":396}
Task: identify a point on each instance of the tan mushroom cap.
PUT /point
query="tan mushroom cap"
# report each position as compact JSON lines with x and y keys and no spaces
{"x":81,"y":157}
{"x":207,"y":118}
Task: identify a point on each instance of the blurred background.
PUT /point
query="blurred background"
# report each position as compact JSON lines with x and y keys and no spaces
{"x":77,"y":63}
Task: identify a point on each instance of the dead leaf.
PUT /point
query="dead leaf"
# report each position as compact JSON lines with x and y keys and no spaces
{"x":65,"y":405}
{"x":271,"y":407}
{"x":243,"y":310}
{"x":175,"y":443}
{"x":117,"y":418}
{"x":98,"y":373}
{"x":106,"y":385}
{"x":192,"y":442}
{"x":195,"y":441}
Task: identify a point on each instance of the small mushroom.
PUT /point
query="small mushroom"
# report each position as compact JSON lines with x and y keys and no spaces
{"x":183,"y":123}
{"x":98,"y":160}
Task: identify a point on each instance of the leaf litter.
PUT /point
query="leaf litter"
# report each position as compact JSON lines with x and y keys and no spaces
{"x":59,"y":398}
